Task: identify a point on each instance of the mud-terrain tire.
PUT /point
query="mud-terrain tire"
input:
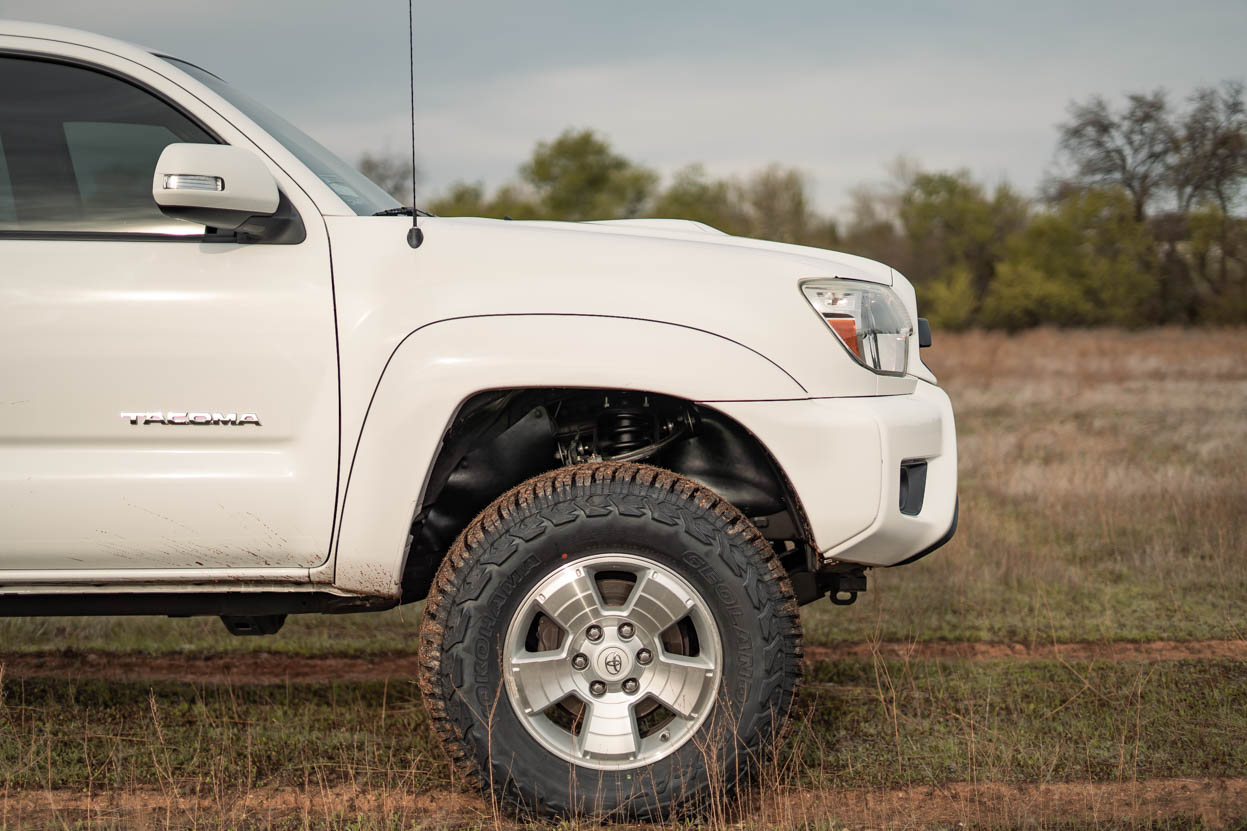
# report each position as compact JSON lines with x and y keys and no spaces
{"x":551,"y":670}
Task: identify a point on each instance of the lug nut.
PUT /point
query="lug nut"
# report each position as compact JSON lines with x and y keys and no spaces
{"x":594,"y":633}
{"x":626,"y":630}
{"x":597,"y":687}
{"x":579,"y":661}
{"x":644,"y":656}
{"x":630,"y":686}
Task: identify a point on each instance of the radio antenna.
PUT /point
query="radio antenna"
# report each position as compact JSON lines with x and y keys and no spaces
{"x":415,"y":236}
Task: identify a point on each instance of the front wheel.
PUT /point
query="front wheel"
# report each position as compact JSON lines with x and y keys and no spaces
{"x":610,"y":640}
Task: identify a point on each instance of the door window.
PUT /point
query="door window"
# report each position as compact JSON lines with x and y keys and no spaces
{"x":78,"y":149}
{"x":8,"y":212}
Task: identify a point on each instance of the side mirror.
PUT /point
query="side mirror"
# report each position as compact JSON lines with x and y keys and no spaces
{"x":216,"y":185}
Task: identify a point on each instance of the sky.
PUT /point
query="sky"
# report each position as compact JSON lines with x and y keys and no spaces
{"x":838,"y":90}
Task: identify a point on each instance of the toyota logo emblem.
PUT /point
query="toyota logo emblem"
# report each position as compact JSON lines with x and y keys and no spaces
{"x":613,"y":662}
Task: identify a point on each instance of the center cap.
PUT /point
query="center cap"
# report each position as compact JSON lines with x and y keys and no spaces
{"x":612,"y":662}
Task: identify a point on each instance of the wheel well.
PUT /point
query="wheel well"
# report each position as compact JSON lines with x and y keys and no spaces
{"x":501,"y":438}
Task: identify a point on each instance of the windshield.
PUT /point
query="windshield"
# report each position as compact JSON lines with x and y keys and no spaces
{"x":355,"y":189}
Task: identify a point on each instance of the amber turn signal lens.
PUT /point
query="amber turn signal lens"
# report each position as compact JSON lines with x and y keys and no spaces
{"x":846,"y":328}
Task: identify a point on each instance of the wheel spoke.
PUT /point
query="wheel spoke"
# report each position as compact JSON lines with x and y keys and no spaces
{"x":609,"y":729}
{"x":572,"y":601}
{"x":657,"y":602}
{"x":678,"y":682}
{"x":542,"y":678}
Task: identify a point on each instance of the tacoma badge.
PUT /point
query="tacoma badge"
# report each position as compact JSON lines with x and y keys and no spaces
{"x":235,"y":419}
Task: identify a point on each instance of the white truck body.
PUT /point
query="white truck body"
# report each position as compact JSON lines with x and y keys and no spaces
{"x":130,"y":366}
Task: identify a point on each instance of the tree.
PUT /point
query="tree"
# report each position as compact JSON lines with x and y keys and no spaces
{"x":1086,"y":262}
{"x":874,"y":228}
{"x":578,"y":176}
{"x":693,"y":195}
{"x":955,"y":233}
{"x":469,"y":199}
{"x":1211,"y":149}
{"x":390,"y":171}
{"x":1131,"y":149}
{"x":776,"y":205}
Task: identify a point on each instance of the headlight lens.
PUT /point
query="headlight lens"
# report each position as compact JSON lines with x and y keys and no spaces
{"x":870,"y":320}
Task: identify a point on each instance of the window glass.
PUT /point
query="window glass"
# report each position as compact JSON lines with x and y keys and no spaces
{"x":359,"y":192}
{"x":80,"y":148}
{"x":8,"y":213}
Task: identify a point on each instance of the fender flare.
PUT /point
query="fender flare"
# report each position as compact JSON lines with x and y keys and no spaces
{"x":437,"y":367}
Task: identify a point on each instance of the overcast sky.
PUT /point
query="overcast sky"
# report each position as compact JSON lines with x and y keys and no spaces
{"x":836,"y":89}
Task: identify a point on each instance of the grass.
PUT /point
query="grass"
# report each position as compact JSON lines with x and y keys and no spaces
{"x":863,"y":724}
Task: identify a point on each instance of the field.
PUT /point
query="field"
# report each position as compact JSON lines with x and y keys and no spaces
{"x":1075,"y":658}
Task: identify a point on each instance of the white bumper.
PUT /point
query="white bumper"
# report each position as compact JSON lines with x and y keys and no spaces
{"x":843,"y":457}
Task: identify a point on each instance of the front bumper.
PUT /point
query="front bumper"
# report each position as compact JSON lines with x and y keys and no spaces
{"x":844,"y":458}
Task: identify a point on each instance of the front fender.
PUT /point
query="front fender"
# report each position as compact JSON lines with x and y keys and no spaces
{"x":439,"y":366}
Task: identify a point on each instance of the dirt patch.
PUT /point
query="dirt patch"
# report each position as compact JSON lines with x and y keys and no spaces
{"x":1217,"y":802}
{"x":238,"y":668}
{"x":183,"y":807}
{"x":272,"y":668}
{"x":968,"y":650}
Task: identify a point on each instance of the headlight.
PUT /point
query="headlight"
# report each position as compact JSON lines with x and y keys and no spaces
{"x":869,"y":319}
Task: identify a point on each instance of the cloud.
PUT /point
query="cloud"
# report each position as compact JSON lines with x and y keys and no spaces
{"x":839,"y":123}
{"x":837,"y":90}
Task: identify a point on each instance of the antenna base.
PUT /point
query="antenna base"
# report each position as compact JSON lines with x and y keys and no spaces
{"x":415,"y":236}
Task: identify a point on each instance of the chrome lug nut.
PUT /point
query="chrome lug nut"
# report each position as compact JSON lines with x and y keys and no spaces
{"x":630,"y":686}
{"x":594,"y":633}
{"x":597,"y":687}
{"x":644,"y":656}
{"x":579,"y":661}
{"x":626,"y":630}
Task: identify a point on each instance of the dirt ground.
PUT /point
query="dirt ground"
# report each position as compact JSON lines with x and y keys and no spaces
{"x":278,"y":668}
{"x":1216,"y":802}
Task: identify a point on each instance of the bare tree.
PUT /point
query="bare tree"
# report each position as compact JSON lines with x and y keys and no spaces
{"x":1132,"y":149}
{"x":1211,"y":154}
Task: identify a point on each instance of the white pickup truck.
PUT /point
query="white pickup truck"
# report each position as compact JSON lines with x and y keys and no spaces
{"x":614,"y":456}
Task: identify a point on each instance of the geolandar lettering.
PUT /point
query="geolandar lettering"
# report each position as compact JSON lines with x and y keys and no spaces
{"x":234,"y":419}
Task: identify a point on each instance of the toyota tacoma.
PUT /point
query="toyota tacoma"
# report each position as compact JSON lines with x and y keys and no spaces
{"x":612,"y":458}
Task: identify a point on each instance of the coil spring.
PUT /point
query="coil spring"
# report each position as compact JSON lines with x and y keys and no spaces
{"x":622,"y":431}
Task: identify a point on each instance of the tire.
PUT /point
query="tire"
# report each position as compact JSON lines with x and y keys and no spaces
{"x":617,"y":551}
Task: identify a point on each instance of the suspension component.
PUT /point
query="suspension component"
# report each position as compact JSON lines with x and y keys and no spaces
{"x":621,"y":431}
{"x":622,"y":428}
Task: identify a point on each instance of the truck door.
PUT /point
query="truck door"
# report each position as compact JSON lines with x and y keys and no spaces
{"x":168,"y":397}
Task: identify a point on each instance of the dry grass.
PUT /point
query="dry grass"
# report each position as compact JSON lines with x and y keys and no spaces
{"x":1103,"y":494}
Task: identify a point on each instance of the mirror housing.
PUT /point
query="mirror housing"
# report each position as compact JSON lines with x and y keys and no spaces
{"x":222,"y":187}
